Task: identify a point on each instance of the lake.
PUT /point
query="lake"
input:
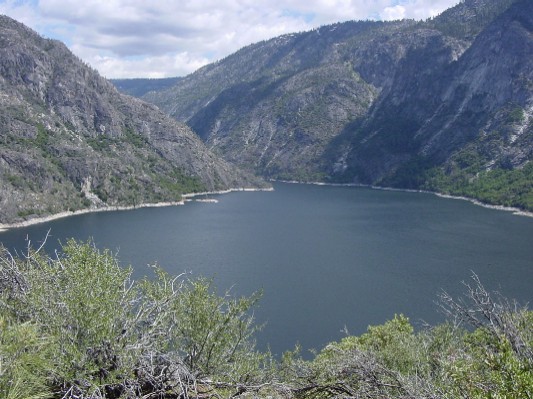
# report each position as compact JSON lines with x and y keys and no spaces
{"x":326,"y":257}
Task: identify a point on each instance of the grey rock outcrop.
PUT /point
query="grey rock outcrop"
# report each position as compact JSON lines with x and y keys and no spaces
{"x":446,"y":97}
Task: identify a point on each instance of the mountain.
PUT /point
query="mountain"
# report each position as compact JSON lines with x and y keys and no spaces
{"x":69,"y":140}
{"x":444,"y":104}
{"x":139,"y":87}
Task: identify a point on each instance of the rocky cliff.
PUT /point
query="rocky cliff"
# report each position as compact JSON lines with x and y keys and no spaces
{"x":444,"y":99}
{"x":69,"y":140}
{"x":443,"y":104}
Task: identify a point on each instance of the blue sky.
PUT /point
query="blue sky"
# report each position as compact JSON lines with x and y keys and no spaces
{"x":162,"y":38}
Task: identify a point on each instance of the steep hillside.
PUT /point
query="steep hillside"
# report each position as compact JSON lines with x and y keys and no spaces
{"x":399,"y":103}
{"x":69,"y":140}
{"x":274,"y":106}
{"x":447,"y":128}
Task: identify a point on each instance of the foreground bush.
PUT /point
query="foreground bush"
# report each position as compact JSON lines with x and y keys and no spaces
{"x":484,"y":351}
{"x":93,"y":332}
{"x":77,"y":326}
{"x":25,"y":361}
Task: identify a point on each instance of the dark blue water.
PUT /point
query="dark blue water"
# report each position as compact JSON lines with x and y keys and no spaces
{"x":326,"y":257}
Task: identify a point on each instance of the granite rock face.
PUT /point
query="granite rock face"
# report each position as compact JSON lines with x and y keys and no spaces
{"x":69,"y":140}
{"x":445,"y":99}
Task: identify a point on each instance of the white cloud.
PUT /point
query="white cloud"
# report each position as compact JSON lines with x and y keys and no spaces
{"x":148,"y":67}
{"x":393,"y":13}
{"x":138,"y":38}
{"x":24,"y":12}
{"x":423,"y":9}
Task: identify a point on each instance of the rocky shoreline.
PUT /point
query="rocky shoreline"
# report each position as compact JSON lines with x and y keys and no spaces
{"x":189,"y":196}
{"x":60,"y":215}
{"x":515,"y":211}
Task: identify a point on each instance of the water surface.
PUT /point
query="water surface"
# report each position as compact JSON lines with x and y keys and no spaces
{"x":326,"y":257}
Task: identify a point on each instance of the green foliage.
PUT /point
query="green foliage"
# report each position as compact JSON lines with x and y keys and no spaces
{"x":498,"y":186}
{"x":216,"y":331}
{"x":112,"y":334}
{"x":393,"y":341}
{"x":41,"y":140}
{"x":81,"y":299}
{"x":134,"y":138}
{"x":101,"y":142}
{"x":213,"y":334}
{"x":78,"y":326}
{"x":16,"y":180}
{"x":475,"y":365}
{"x":466,"y":176}
{"x":178,"y":183}
{"x":127,"y":188}
{"x":25,"y":361}
{"x":24,"y":213}
{"x":516,"y":115}
{"x":492,"y":360}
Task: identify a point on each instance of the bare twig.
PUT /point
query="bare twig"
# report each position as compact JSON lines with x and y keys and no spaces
{"x":479,"y":309}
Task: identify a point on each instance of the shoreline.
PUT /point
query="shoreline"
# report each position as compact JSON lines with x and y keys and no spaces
{"x":112,"y":208}
{"x":515,"y":211}
{"x":189,"y":196}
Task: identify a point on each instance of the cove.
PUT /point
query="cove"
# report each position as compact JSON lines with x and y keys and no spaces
{"x":325,"y":257}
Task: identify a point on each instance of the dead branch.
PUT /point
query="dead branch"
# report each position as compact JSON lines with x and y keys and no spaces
{"x":480,"y":310}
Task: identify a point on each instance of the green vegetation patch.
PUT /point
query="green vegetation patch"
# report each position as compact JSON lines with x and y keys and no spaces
{"x":42,"y":138}
{"x":465,"y":175}
{"x":134,"y":138}
{"x":101,"y":142}
{"x":79,"y":326}
{"x":513,"y":188}
{"x":178,"y":183}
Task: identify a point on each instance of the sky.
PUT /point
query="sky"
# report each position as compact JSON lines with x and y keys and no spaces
{"x":166,"y":38}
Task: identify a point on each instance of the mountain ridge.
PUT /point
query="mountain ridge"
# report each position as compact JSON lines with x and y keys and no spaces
{"x":71,"y":141}
{"x":379,"y":103}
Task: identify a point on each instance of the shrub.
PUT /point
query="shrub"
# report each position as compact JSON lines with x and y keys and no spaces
{"x":25,"y":361}
{"x":490,"y":359}
{"x":112,"y":336}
